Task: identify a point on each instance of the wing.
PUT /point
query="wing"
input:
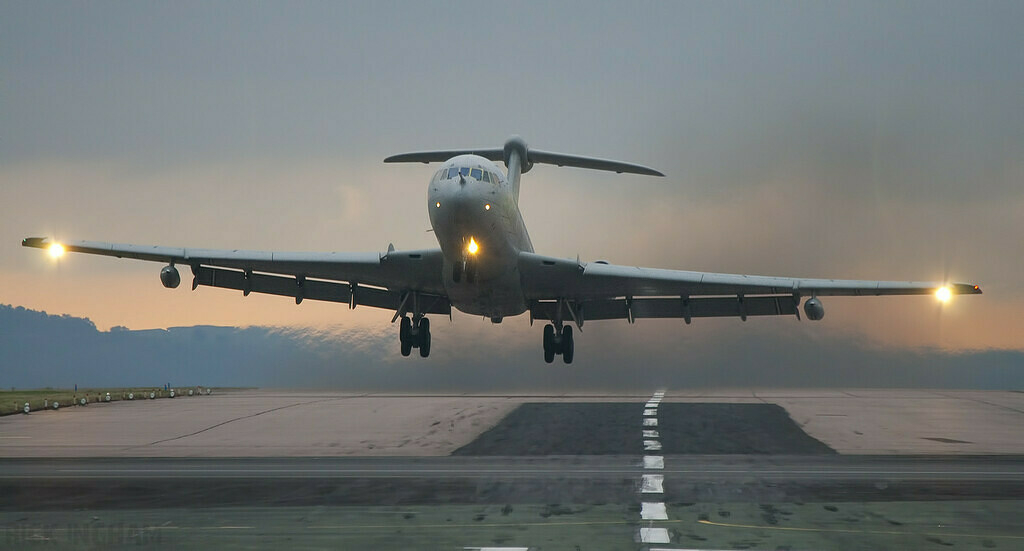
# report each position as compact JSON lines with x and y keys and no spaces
{"x":598,"y":290}
{"x":371,"y":279}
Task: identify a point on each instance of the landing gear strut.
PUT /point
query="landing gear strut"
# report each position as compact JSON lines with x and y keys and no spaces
{"x":558,"y":342}
{"x":414,"y":336}
{"x":465,"y":269}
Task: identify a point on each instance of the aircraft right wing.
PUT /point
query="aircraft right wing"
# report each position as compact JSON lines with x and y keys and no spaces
{"x":598,"y":290}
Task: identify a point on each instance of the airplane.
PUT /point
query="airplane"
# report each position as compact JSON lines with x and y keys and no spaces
{"x":486,"y":265}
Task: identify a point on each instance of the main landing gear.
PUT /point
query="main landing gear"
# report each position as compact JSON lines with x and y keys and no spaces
{"x":414,"y":336}
{"x":558,"y":342}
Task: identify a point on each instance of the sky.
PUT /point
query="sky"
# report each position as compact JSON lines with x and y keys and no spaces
{"x":871,"y":140}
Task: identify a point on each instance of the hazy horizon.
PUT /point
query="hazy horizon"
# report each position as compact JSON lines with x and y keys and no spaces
{"x":868,"y":140}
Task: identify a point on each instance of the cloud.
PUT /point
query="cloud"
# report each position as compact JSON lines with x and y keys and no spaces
{"x":863,"y":141}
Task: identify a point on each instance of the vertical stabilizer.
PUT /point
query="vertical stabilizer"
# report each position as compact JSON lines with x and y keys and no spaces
{"x":517,"y":160}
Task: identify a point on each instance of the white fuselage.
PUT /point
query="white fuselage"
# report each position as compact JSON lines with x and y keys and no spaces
{"x":471,"y":202}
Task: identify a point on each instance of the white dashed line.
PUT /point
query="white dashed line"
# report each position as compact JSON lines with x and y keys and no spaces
{"x":654,"y":462}
{"x":652,"y":484}
{"x":654,"y":535}
{"x":653,"y":511}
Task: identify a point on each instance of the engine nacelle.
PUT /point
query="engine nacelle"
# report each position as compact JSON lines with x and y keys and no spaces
{"x":814,"y":309}
{"x":170,"y":277}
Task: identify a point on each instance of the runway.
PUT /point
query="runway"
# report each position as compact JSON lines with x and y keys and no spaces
{"x":729,"y":470}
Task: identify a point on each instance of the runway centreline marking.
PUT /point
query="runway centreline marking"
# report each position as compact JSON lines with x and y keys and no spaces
{"x":853,"y":531}
{"x":652,"y":484}
{"x":654,"y":535}
{"x":653,"y":511}
{"x":654,"y":462}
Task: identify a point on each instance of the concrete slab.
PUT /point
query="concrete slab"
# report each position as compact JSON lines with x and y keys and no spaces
{"x":257,"y":424}
{"x":912,"y":422}
{"x":327,"y":423}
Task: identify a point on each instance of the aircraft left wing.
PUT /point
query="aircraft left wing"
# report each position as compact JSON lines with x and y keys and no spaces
{"x":382,"y":280}
{"x":598,"y":290}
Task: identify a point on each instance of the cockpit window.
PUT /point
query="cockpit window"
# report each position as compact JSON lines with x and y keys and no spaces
{"x":477,"y":173}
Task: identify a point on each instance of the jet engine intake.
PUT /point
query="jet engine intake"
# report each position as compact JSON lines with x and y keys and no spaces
{"x":170,"y":277}
{"x":814,"y":309}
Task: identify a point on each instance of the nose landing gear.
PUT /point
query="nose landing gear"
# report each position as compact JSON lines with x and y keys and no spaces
{"x":558,"y":343}
{"x":414,"y":336}
{"x":466,"y":268}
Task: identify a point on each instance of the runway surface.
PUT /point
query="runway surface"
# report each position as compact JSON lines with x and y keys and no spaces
{"x":725,"y":470}
{"x":276,"y":423}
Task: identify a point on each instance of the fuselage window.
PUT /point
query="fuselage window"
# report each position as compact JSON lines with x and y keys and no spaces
{"x":487,"y":177}
{"x":495,"y":178}
{"x":453,"y":172}
{"x":464,"y":171}
{"x":476,"y":173}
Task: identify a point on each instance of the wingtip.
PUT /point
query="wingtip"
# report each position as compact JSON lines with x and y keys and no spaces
{"x":967,"y":289}
{"x":37,"y":242}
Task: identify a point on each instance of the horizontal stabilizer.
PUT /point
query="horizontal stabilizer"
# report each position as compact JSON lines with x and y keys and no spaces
{"x":531,"y":156}
{"x":576,"y":161}
{"x":443,"y":155}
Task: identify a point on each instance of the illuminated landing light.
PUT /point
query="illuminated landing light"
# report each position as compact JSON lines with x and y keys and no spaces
{"x":473,"y":247}
{"x":487,"y":206}
{"x":438,"y":204}
{"x":56,"y":250}
{"x":943,"y":294}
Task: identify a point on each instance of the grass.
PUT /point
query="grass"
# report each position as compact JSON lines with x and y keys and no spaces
{"x":12,"y":401}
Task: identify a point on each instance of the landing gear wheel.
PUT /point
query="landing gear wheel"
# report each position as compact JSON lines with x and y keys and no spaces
{"x":424,"y":338}
{"x":567,"y":345}
{"x":549,"y":343}
{"x":405,"y":336}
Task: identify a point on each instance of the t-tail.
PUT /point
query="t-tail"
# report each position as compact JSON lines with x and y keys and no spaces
{"x":519,"y":159}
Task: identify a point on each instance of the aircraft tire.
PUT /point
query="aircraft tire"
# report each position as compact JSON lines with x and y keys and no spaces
{"x":568,"y":348}
{"x":404,"y":336}
{"x":424,"y":338}
{"x":549,"y":343}
{"x":405,"y":330}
